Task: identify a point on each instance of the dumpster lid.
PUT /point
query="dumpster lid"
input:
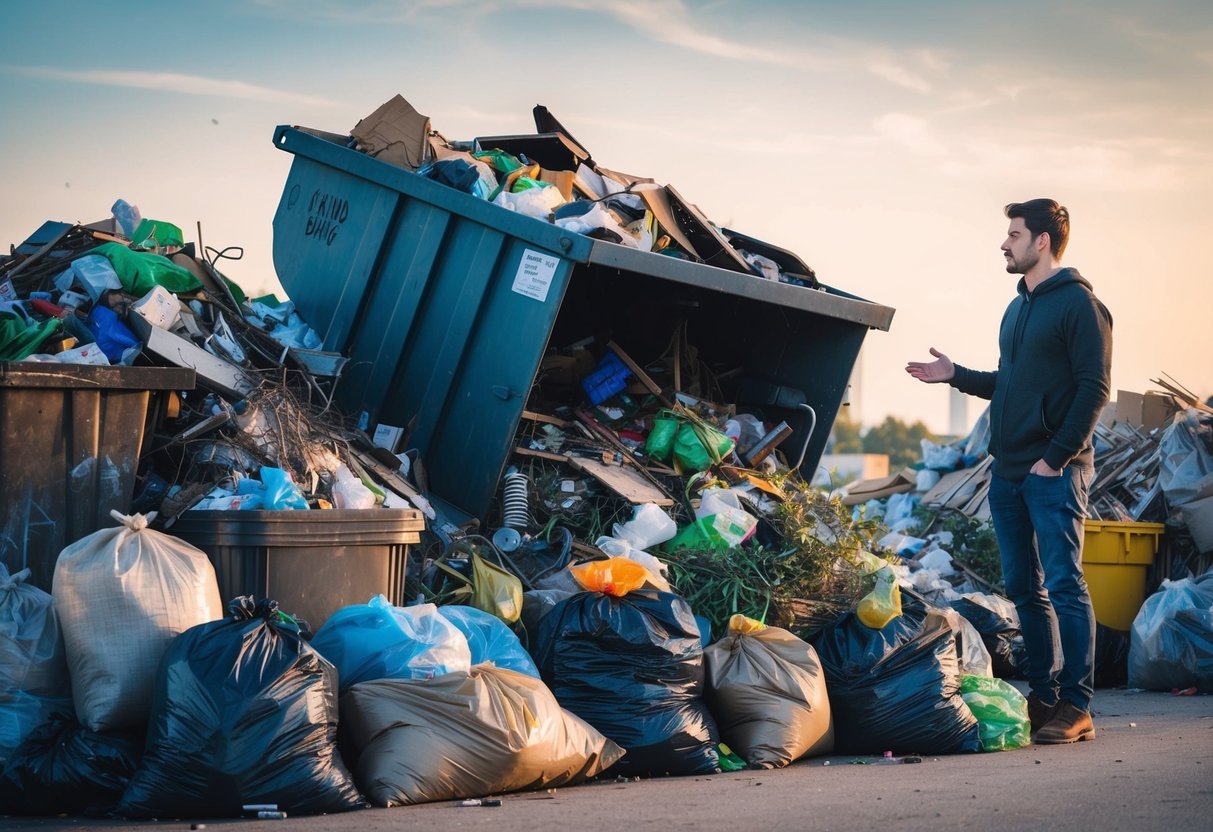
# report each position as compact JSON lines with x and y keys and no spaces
{"x":824,"y":301}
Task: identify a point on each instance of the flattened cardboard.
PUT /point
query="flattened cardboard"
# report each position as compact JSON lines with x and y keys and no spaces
{"x":395,"y":133}
{"x":624,"y":481}
{"x":877,"y":489}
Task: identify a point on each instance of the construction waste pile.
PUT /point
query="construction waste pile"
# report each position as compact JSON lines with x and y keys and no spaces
{"x":654,"y":589}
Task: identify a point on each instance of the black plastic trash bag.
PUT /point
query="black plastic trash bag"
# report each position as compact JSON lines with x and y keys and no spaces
{"x":995,"y":619}
{"x":632,"y":667}
{"x":1111,"y":657}
{"x":897,"y":688}
{"x":63,"y":768}
{"x":244,"y":712}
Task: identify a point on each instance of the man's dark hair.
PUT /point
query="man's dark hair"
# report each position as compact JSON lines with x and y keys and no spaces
{"x":1041,"y":215}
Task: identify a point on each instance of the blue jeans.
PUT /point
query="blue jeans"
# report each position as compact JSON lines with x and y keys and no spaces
{"x":1039,"y":525}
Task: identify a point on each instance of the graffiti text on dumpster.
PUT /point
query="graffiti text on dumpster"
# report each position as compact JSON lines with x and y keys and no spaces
{"x":325,"y":215}
{"x":534,"y":276}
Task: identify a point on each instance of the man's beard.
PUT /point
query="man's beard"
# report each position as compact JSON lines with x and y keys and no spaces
{"x":1022,"y":267}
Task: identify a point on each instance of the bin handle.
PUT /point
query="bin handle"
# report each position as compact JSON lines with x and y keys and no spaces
{"x":808,"y":434}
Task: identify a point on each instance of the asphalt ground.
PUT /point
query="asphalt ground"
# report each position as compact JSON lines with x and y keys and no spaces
{"x":1150,"y":767}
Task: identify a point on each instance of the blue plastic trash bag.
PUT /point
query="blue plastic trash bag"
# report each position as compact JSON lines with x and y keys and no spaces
{"x":33,"y":670}
{"x":112,"y":336}
{"x":278,"y":492}
{"x":489,"y":639}
{"x":379,"y":641}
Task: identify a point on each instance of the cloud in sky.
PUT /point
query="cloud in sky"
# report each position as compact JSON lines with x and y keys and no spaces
{"x":911,"y":132}
{"x":170,"y":82}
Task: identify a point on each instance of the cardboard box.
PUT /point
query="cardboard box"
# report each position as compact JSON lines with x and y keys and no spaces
{"x":1144,"y":411}
{"x":388,"y":436}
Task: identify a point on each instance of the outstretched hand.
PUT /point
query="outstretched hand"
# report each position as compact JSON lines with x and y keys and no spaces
{"x":942,"y":369}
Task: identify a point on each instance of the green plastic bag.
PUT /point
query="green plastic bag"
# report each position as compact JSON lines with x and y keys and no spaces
{"x":1001,"y":711}
{"x":139,"y":271}
{"x":19,"y":339}
{"x":153,"y":234}
{"x":660,"y":443}
{"x":699,"y":447}
{"x":698,"y":535}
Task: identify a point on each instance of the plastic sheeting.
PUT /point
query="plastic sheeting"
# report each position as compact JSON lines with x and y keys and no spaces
{"x":897,"y":688}
{"x":245,"y":712}
{"x":122,"y":595}
{"x":768,"y":694}
{"x":381,"y":641}
{"x":33,"y":670}
{"x":632,"y":667}
{"x":484,"y":732}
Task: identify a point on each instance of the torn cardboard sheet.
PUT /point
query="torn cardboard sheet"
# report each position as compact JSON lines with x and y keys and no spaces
{"x":627,"y":482}
{"x":395,"y":133}
{"x":877,"y":489}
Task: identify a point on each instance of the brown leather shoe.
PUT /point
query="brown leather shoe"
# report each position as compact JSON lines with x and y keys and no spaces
{"x":1039,"y":713}
{"x":1069,"y":724}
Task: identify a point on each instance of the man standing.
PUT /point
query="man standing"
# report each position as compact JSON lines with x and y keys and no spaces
{"x":1052,"y":381}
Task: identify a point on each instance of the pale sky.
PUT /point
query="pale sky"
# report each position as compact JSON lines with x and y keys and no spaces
{"x":878,"y":140}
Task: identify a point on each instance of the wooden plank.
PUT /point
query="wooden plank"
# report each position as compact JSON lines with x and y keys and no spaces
{"x":624,"y":481}
{"x":541,"y":454}
{"x":643,"y":377}
{"x":532,"y":416}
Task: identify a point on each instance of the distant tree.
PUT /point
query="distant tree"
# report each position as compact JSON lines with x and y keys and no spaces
{"x":902,"y":442}
{"x":846,"y":437}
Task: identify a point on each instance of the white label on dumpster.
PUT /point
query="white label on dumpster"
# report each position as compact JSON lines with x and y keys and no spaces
{"x":535,"y":274}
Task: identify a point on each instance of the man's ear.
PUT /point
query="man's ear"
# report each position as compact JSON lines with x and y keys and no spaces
{"x":1043,"y":241}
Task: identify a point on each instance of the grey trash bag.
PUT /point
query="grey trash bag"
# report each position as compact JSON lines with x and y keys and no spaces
{"x":1171,"y":643}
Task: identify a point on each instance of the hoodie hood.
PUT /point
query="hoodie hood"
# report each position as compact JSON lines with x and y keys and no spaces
{"x":1063,"y":277}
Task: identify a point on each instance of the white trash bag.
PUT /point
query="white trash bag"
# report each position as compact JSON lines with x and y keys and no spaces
{"x":122,"y":595}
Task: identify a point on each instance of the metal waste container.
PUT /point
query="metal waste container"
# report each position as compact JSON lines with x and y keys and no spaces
{"x":446,"y":303}
{"x":70,"y":440}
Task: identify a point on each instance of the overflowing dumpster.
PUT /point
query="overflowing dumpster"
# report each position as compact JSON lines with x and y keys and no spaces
{"x":446,"y":304}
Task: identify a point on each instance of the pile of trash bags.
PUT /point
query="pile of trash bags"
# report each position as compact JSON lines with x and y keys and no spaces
{"x":154,"y":699}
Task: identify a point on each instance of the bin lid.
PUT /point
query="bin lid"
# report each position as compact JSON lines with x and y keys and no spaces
{"x":37,"y":374}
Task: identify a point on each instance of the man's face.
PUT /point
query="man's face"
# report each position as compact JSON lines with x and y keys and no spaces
{"x":1019,"y":248}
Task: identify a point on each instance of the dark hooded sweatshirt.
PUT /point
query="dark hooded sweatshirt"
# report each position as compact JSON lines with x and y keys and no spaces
{"x":1052,"y":381}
